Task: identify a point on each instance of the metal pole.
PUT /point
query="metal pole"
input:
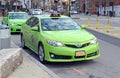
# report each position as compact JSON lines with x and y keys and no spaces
{"x":69,"y":8}
{"x":43,"y":4}
{"x":112,"y":7}
{"x":16,"y":6}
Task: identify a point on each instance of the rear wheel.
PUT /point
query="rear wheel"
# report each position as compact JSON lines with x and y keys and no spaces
{"x":41,"y":53}
{"x":22,"y":42}
{"x":2,"y":23}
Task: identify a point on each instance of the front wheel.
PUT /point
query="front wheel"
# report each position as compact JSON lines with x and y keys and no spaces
{"x":41,"y":53}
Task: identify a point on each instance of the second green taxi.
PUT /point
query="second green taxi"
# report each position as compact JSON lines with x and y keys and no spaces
{"x":14,"y":20}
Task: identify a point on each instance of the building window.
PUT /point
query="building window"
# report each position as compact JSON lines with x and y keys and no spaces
{"x":110,"y":3}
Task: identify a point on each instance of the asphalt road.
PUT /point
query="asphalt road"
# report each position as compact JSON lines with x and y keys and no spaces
{"x":108,"y":66}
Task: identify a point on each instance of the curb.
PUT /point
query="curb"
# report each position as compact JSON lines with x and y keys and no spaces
{"x":41,"y":65}
{"x":105,"y":37}
{"x":75,"y":18}
{"x":10,"y":59}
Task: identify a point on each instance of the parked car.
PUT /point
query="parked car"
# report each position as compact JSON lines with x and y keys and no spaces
{"x":73,"y":12}
{"x":36,"y":11}
{"x":14,"y":20}
{"x":58,"y":38}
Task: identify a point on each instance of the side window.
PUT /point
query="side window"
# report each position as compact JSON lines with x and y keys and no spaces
{"x":30,"y":21}
{"x":35,"y":22}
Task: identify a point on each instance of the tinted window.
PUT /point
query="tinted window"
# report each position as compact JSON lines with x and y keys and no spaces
{"x":50,"y":24}
{"x":30,"y":21}
{"x":18,"y":15}
{"x":35,"y":22}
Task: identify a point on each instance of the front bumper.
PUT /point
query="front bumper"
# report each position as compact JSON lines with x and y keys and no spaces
{"x":66,"y":54}
{"x":15,"y":28}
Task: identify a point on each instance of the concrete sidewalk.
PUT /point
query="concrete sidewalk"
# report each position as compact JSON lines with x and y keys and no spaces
{"x":31,"y":68}
{"x":28,"y":69}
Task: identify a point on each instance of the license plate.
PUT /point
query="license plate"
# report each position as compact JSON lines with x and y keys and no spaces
{"x":80,"y":53}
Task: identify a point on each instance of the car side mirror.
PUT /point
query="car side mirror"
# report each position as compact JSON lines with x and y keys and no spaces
{"x":83,"y":26}
{"x":34,"y":28}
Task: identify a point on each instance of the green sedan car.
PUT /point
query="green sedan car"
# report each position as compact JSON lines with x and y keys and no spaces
{"x":14,"y":20}
{"x":57,"y":38}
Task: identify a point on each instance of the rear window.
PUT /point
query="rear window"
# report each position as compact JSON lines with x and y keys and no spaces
{"x":37,"y":10}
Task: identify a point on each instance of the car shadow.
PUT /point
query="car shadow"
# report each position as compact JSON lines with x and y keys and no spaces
{"x":63,"y":64}
{"x":15,"y":33}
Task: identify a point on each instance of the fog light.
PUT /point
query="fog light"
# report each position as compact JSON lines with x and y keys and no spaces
{"x":52,"y":55}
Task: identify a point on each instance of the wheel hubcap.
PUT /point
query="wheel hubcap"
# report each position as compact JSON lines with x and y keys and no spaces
{"x":41,"y":54}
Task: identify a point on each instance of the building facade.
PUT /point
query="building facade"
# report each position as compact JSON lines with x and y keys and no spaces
{"x":11,"y":4}
{"x":104,"y":7}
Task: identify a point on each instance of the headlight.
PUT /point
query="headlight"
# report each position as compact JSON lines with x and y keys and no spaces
{"x":54,"y":43}
{"x":13,"y":24}
{"x":94,"y":41}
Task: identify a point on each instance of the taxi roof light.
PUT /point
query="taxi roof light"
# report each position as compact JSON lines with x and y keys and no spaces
{"x":55,"y":15}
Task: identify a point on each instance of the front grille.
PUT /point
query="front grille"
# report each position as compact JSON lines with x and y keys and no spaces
{"x":92,"y":54}
{"x":61,"y":57}
{"x":84,"y":45}
{"x":74,"y":46}
{"x":79,"y":56}
{"x":19,"y":24}
{"x":17,"y":29}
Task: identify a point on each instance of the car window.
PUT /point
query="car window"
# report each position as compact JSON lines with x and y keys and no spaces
{"x":51,"y":24}
{"x":30,"y":21}
{"x":37,"y":10}
{"x":18,"y":15}
{"x":35,"y":22}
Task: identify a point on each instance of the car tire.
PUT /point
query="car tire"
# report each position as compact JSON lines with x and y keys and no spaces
{"x":2,"y":23}
{"x":41,"y":53}
{"x":23,"y":42}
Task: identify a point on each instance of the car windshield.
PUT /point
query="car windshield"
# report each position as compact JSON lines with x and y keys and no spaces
{"x":52,"y":24}
{"x":37,"y":10}
{"x":18,"y":16}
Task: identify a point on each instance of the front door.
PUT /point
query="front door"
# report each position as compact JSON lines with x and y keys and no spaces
{"x":27,"y":32}
{"x":35,"y":33}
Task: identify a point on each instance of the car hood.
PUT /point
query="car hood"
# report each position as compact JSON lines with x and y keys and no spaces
{"x":17,"y":21}
{"x":69,"y":35}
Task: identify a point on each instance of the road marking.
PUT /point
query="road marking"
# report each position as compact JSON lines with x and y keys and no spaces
{"x":116,"y":34}
{"x":80,"y":71}
{"x":116,"y":29}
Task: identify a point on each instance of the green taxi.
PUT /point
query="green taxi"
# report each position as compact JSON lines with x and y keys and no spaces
{"x":57,"y":38}
{"x":14,"y":20}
